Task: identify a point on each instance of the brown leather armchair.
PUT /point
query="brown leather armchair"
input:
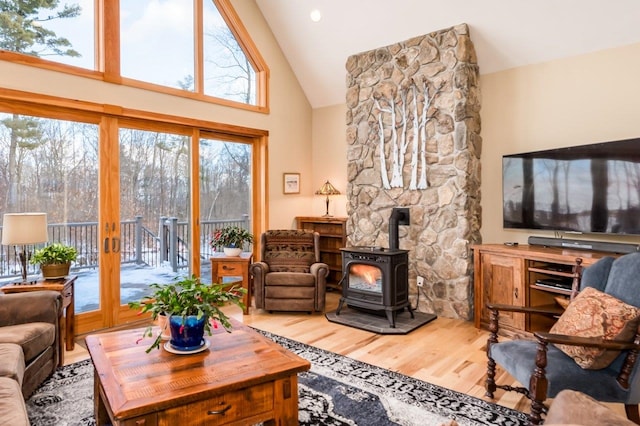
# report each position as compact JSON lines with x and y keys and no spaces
{"x":290,"y":276}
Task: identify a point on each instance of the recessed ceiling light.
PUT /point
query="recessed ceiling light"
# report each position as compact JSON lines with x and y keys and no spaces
{"x":315,"y":15}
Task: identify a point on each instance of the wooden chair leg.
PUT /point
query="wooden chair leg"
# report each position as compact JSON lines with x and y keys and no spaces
{"x":538,"y":385}
{"x":632,"y":413}
{"x":490,"y":383}
{"x":535,"y":417}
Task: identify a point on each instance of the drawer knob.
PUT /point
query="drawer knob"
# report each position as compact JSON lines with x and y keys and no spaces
{"x":222,"y":411}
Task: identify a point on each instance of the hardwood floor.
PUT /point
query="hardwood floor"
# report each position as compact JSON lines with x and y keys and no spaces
{"x":446,"y":352}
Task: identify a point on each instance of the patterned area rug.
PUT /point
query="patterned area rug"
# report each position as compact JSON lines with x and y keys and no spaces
{"x":336,"y":391}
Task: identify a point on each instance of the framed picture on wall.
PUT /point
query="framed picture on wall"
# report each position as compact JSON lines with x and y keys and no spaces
{"x":291,"y":183}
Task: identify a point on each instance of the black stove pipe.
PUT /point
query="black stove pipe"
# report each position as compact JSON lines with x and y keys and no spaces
{"x":399,"y":216}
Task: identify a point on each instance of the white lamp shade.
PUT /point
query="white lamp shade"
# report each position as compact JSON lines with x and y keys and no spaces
{"x":24,"y":228}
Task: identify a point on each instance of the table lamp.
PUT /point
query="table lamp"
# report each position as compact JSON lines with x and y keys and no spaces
{"x":22,"y":229}
{"x":327,"y":189}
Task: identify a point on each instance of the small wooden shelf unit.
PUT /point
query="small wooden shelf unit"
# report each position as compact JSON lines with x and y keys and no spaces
{"x":508,"y":275}
{"x":333,"y":237}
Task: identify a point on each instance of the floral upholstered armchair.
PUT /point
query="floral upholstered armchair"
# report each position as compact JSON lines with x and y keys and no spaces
{"x":290,"y":276}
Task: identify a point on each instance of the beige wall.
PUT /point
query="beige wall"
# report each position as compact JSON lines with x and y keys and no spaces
{"x":289,"y":122}
{"x":329,"y":153}
{"x":580,"y":100}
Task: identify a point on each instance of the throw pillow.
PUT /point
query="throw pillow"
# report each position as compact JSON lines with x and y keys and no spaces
{"x":593,"y":313}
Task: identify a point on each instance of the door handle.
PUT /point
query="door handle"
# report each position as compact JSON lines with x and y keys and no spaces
{"x":115,"y":245}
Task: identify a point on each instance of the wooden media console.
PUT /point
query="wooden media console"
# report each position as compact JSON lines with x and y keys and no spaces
{"x":510,"y":275}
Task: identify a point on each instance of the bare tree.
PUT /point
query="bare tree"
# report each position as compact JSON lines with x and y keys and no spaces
{"x":225,"y":179}
{"x":232,"y":75}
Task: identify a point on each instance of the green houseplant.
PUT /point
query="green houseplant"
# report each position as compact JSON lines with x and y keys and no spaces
{"x":54,"y":260}
{"x":185,"y":298}
{"x":231,"y":237}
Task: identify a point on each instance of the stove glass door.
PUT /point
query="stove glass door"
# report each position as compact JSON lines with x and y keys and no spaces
{"x":365,"y":278}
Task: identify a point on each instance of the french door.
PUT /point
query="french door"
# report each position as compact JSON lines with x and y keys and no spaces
{"x":127,"y":194}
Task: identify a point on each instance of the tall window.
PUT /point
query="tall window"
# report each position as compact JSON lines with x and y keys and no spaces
{"x":179,"y":46}
{"x":225,"y":191}
{"x":51,"y":166}
{"x":154,"y":210}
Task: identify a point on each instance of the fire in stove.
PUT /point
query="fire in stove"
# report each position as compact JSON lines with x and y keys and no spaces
{"x":365,"y":277}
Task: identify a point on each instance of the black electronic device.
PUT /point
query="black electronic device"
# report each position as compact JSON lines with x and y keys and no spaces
{"x":553,"y":282}
{"x":607,"y":247}
{"x":583,"y":189}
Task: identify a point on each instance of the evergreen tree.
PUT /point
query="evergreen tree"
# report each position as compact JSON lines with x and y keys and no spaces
{"x":22,"y":30}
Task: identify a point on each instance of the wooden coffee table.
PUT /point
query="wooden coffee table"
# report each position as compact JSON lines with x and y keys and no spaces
{"x":243,"y":378}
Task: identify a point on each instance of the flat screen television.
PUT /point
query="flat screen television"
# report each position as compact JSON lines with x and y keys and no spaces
{"x":584,"y":189}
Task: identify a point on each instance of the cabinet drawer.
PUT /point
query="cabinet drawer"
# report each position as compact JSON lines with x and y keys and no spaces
{"x":231,"y":269}
{"x":148,"y":420}
{"x":222,"y":409}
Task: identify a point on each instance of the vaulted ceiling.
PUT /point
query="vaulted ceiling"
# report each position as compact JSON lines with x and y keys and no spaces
{"x":506,"y":33}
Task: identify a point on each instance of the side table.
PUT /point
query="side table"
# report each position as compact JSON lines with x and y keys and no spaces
{"x":65,"y":287}
{"x":233,"y":266}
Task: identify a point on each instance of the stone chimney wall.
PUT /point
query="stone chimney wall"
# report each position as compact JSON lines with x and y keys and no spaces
{"x":413,"y":134}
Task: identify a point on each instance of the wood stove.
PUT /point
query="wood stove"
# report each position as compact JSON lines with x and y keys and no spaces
{"x":376,"y":279}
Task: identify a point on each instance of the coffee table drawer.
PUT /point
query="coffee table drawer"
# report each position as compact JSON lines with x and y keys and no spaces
{"x":148,"y":420}
{"x":222,"y":409}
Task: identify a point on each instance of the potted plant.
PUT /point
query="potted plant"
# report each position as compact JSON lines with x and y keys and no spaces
{"x":231,"y":239}
{"x":191,"y":307}
{"x":54,"y":260}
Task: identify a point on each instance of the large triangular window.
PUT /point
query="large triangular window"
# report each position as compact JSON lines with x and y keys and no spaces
{"x":228,"y":72}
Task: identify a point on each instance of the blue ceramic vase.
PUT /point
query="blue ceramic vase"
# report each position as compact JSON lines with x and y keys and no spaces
{"x":189,"y":337}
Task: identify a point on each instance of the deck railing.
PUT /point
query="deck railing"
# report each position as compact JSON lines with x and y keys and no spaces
{"x":138,"y":244}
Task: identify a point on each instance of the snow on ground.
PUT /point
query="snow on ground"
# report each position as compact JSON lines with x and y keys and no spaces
{"x":134,"y":283}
